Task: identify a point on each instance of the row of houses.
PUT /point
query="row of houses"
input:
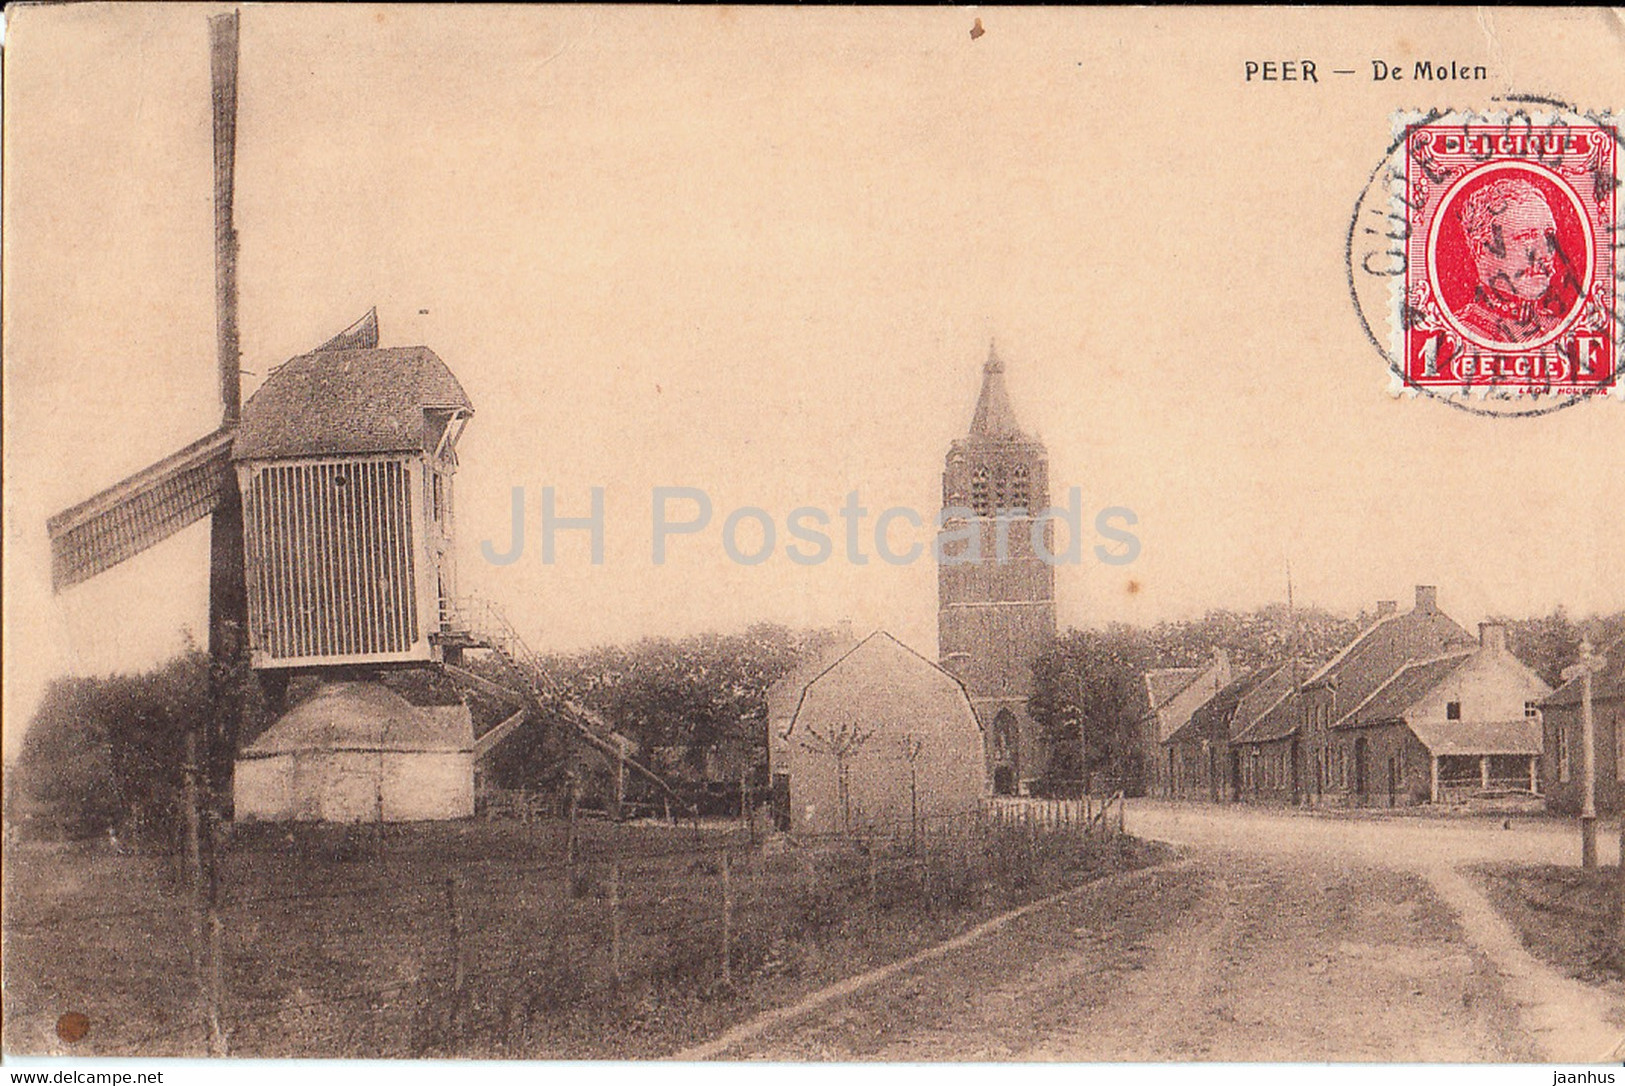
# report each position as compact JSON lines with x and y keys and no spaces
{"x":1413,"y":710}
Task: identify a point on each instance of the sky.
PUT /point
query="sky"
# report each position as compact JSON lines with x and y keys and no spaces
{"x":763,"y":253}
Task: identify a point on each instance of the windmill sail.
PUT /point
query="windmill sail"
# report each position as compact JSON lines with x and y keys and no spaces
{"x":145,"y":509}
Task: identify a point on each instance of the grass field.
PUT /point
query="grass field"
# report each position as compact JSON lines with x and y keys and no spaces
{"x":1565,"y":916}
{"x":481,"y":939}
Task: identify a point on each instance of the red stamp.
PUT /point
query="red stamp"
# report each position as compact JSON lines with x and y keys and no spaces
{"x":1509,"y":278}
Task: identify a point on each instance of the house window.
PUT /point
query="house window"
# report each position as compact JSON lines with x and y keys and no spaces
{"x":1452,"y":710}
{"x":1562,"y":753}
{"x":1531,"y":710}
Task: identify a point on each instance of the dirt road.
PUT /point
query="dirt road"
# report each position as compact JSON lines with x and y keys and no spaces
{"x":1283,"y":938}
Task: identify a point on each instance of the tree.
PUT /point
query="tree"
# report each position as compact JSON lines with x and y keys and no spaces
{"x":841,"y":743}
{"x":1089,"y":689}
{"x":1550,"y":643}
{"x":701,"y":700}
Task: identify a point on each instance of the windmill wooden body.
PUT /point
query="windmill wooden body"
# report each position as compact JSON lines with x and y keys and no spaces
{"x":343,"y":464}
{"x":345,"y":460}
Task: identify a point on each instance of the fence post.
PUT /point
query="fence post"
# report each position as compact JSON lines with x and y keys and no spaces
{"x":615,"y":919}
{"x":570,"y":837}
{"x":455,"y":919}
{"x":727,"y":921}
{"x":205,"y":919}
{"x":217,"y":1034}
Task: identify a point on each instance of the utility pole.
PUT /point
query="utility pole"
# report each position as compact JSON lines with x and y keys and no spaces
{"x":1583,"y":670}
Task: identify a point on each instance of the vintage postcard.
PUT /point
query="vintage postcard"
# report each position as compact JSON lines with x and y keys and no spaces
{"x":880,"y":535}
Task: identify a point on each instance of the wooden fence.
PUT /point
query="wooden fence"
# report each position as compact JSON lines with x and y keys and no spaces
{"x":1086,"y":814}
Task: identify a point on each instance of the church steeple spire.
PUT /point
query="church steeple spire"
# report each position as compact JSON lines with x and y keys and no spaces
{"x":995,"y":418}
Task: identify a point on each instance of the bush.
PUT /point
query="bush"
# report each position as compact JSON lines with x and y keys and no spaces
{"x":108,"y":754}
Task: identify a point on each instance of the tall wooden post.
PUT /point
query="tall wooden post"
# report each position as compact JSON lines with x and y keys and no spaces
{"x":212,"y":747}
{"x":1588,"y":763}
{"x":228,"y":596}
{"x":1583,"y":669}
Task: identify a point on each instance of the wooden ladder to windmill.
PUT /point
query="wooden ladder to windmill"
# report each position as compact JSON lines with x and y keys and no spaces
{"x":474,"y":623}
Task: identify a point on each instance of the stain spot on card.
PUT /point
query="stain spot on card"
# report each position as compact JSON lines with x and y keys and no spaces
{"x":1133,"y":587}
{"x":72,"y":1027}
{"x":976,"y":31}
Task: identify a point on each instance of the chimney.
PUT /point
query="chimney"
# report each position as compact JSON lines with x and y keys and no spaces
{"x":1492,"y":635}
{"x":843,"y":631}
{"x":1387,"y":607}
{"x":1427,"y":598}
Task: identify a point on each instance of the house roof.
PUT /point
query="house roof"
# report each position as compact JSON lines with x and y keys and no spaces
{"x":895,"y":659}
{"x":1403,"y":689}
{"x":365,"y":716}
{"x":995,"y":417}
{"x":1366,"y":663}
{"x":814,"y":659}
{"x":1274,"y":687}
{"x":343,"y":402}
{"x":1275,"y":717}
{"x":1163,"y":684}
{"x":1607,"y":682}
{"x":1521,"y":736}
{"x":1212,"y":719}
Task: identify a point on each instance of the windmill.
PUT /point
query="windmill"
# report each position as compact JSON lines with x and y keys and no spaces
{"x":330,"y":499}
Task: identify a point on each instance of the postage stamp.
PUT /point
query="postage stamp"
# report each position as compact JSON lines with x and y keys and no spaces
{"x":1509,"y":271}
{"x":1509,"y":276}
{"x":1490,"y":242}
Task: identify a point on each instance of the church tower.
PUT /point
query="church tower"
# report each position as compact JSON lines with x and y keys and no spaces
{"x":996,"y":602}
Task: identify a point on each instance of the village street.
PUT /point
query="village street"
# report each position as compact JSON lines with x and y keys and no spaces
{"x":1281,"y":936}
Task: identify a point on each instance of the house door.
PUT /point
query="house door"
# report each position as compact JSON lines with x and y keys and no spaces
{"x":1361,"y":781}
{"x":1235,"y":776}
{"x":1006,"y":753}
{"x":780,"y":801}
{"x":1393,"y":781}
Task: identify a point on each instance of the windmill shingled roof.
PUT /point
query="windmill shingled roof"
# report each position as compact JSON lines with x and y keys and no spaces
{"x":344,"y":402}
